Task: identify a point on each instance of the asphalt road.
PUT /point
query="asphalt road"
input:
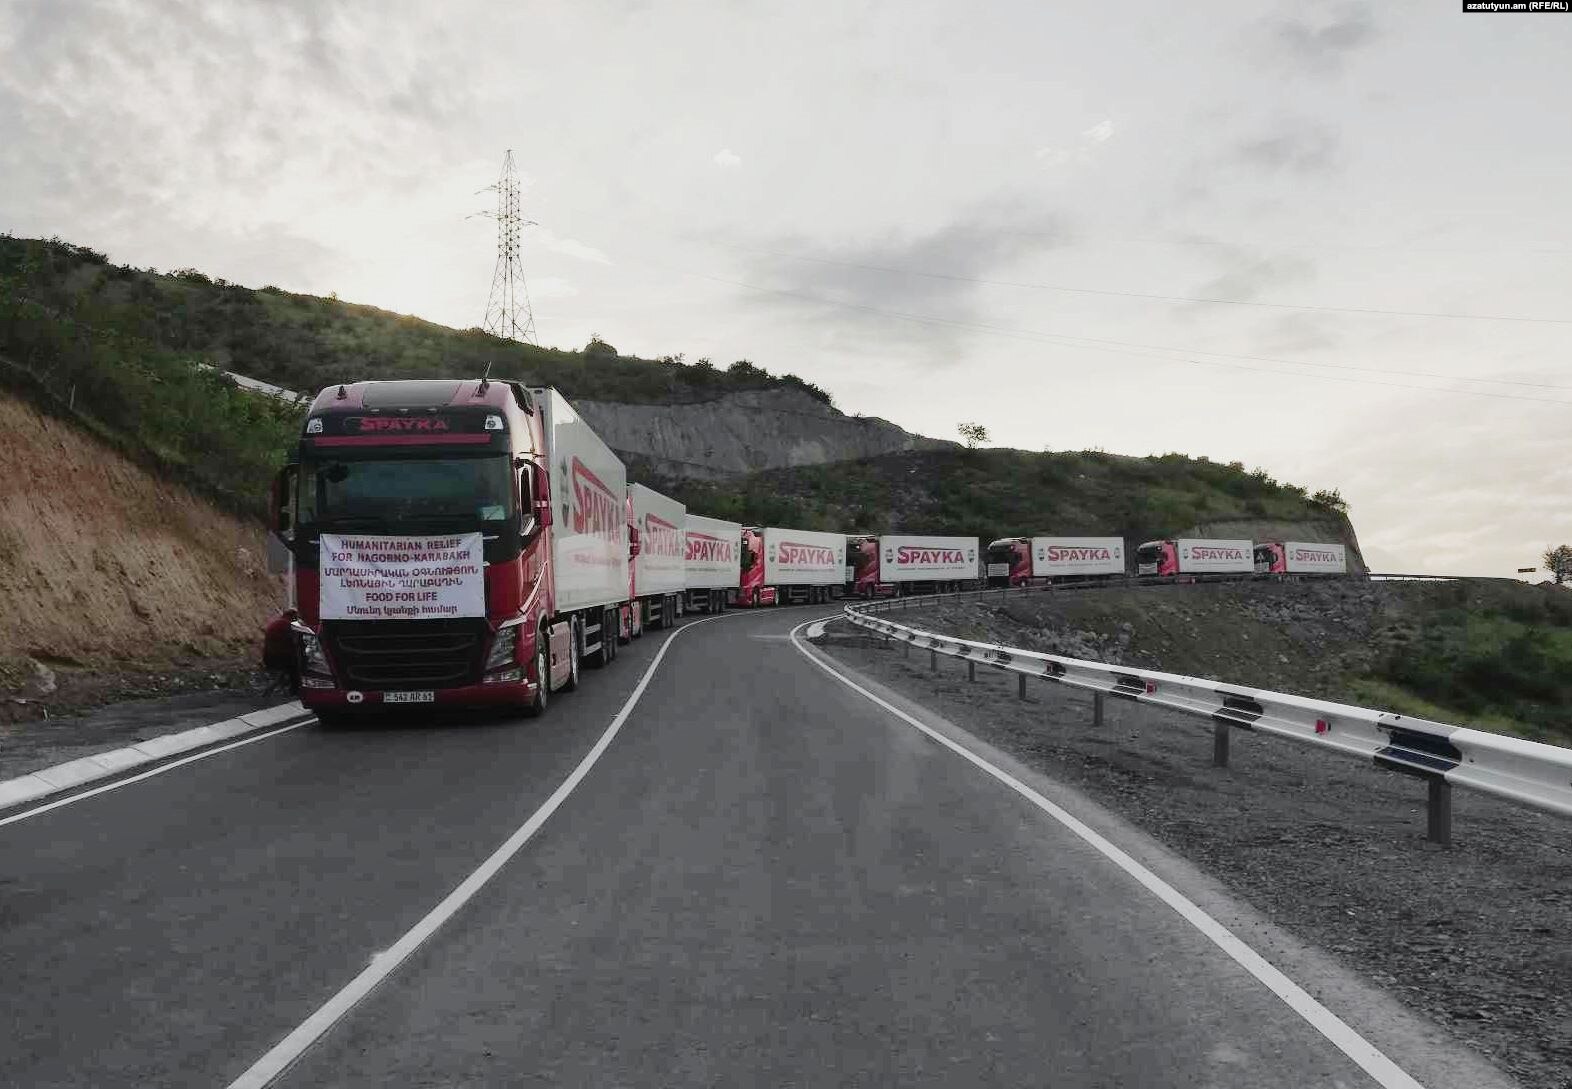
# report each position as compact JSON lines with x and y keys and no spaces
{"x":764,"y":879}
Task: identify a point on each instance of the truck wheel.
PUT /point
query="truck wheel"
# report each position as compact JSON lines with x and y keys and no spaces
{"x":537,"y":707}
{"x":575,"y":646}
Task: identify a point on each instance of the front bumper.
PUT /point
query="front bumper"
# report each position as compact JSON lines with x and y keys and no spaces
{"x":516,"y":694}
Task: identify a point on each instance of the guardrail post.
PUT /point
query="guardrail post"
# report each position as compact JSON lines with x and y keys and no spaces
{"x":1098,"y":700}
{"x":1439,"y":812}
{"x":1020,"y":688}
{"x":933,"y":660}
{"x":1003,"y":593}
{"x":971,"y":671}
{"x":906,"y":648}
{"x":1222,"y":733}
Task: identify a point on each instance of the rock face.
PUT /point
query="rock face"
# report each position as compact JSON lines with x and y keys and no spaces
{"x":744,"y":432}
{"x":1330,"y":529}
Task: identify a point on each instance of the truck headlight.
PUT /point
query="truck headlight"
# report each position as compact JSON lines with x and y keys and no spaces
{"x":311,"y":656}
{"x":502,"y":648}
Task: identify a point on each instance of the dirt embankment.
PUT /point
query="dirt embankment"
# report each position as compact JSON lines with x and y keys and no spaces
{"x":115,"y":583}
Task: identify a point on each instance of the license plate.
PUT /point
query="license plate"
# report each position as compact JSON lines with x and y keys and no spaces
{"x":409,"y":697}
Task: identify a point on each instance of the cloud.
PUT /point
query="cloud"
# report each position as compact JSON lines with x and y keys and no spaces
{"x":1100,"y":132}
{"x":1320,"y":46}
{"x":727,"y":159}
{"x":1246,"y":275}
{"x":1080,"y":153}
{"x":1303,"y":148}
{"x":932,"y":275}
{"x":568,"y":247}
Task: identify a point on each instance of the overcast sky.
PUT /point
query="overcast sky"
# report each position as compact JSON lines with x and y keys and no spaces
{"x":937,"y":211}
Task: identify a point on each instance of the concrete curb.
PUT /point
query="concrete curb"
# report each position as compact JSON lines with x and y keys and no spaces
{"x":103,"y":765}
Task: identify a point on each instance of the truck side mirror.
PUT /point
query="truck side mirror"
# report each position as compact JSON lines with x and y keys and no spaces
{"x":280,"y":492}
{"x":542,"y":496}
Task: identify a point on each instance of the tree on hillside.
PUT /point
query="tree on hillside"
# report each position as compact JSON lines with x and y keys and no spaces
{"x":1331,"y":497}
{"x":1558,"y":561}
{"x":973,"y":433}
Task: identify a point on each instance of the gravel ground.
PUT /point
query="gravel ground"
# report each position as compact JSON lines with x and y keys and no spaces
{"x":1333,"y":850}
{"x":28,"y":745}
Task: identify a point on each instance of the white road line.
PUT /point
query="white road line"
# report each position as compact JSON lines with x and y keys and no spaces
{"x":1371,"y":1060}
{"x":171,"y":766}
{"x":288,"y":1050}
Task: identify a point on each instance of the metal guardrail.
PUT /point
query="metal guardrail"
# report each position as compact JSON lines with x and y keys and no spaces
{"x":1445,"y":756}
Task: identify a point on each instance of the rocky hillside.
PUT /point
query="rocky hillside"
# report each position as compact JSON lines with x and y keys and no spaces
{"x":745,"y":432}
{"x":998,"y":493}
{"x":107,"y":566}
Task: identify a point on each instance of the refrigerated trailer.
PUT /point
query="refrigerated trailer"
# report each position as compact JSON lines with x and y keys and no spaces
{"x":450,"y":542}
{"x":1021,"y":561}
{"x":1300,"y":558}
{"x":658,"y":565}
{"x":713,"y":571}
{"x":1192,"y":556}
{"x":896,"y":565}
{"x":795,"y":566}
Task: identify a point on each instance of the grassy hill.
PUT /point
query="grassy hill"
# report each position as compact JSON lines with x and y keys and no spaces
{"x":304,"y":342}
{"x":997,"y":493}
{"x":120,"y":351}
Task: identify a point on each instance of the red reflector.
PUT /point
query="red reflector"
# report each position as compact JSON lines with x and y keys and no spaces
{"x":1322,"y":725}
{"x":1151,"y":686}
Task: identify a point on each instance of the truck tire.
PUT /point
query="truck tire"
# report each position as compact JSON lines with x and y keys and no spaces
{"x":537,"y":707}
{"x":615,"y":617}
{"x":575,"y":648}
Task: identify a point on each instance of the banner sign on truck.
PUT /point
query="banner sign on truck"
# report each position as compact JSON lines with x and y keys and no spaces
{"x":714,"y":561}
{"x":660,"y":566}
{"x":1197,"y":556}
{"x":1077,"y":556}
{"x":1319,"y":559}
{"x":927,"y":559}
{"x":402,"y":578}
{"x":798,"y":557}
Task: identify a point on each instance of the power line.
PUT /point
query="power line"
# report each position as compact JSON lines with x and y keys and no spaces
{"x":508,"y":312}
{"x":1178,"y":355}
{"x":1163,"y":298}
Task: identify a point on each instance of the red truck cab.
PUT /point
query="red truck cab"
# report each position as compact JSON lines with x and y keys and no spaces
{"x":435,"y":460}
{"x":752,"y":592}
{"x":1010,"y":562}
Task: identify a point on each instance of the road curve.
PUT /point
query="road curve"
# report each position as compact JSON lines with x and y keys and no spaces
{"x":764,"y":879}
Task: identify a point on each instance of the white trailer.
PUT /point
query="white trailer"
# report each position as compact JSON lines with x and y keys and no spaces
{"x":927,"y":564}
{"x":1054,"y":557}
{"x":589,"y":555}
{"x":802,"y":565}
{"x":659,"y":566}
{"x":1300,"y":558}
{"x":713,"y":571}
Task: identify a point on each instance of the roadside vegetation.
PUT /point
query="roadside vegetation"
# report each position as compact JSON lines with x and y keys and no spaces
{"x":303,"y":342}
{"x":995,"y":493}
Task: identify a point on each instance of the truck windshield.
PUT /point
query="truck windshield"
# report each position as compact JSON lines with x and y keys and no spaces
{"x":1001,"y":553}
{"x":393,"y":495}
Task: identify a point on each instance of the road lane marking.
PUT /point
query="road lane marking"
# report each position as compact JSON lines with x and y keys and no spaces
{"x":171,"y":766}
{"x":1366,"y":1055}
{"x":288,"y":1051}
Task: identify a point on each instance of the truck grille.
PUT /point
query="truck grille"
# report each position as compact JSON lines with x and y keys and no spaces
{"x":384,"y":655}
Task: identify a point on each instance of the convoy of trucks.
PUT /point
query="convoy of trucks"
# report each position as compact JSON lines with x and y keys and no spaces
{"x":474,"y":542}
